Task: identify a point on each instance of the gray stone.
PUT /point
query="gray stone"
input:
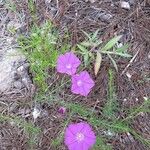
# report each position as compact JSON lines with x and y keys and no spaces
{"x":105,"y":17}
{"x":18,"y":85}
{"x":11,"y":73}
{"x":7,"y":68}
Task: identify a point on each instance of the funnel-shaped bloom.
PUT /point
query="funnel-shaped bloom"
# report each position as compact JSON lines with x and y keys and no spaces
{"x":82,"y":83}
{"x":68,"y":63}
{"x":79,"y":136}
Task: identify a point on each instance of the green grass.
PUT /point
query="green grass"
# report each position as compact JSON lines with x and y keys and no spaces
{"x":41,"y":50}
{"x":101,"y":144}
{"x":108,"y":121}
{"x":30,"y":130}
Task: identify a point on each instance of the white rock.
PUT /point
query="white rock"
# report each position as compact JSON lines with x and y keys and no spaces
{"x":128,"y":75}
{"x":91,"y":1}
{"x":145,"y":98}
{"x":119,"y":45}
{"x":124,"y":99}
{"x":109,"y":133}
{"x":36,"y":113}
{"x":7,"y":68}
{"x":20,"y":69}
{"x":125,"y":5}
{"x":136,"y":99}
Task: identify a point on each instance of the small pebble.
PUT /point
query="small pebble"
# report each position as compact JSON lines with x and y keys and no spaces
{"x":125,"y":100}
{"x":36,"y":113}
{"x":142,"y":114}
{"x":20,"y":69}
{"x":91,"y":1}
{"x":145,"y":98}
{"x":125,"y":5}
{"x":128,"y":75}
{"x":136,"y":99}
{"x":119,"y":45}
{"x":105,"y":17}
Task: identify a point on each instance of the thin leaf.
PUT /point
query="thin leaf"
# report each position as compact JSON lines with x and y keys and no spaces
{"x":87,"y":35}
{"x":86,"y":59}
{"x":122,"y":49}
{"x":97,"y":63}
{"x":123,"y":54}
{"x":113,"y":61}
{"x":95,"y":35}
{"x":82,"y":48}
{"x":111,"y":43}
{"x":85,"y":54}
{"x":98,"y":42}
{"x":115,"y":53}
{"x":86,"y":44}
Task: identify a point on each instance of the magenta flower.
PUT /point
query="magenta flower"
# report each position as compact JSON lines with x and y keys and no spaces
{"x":79,"y":136}
{"x":68,"y":63}
{"x":82,"y":83}
{"x":62,"y":110}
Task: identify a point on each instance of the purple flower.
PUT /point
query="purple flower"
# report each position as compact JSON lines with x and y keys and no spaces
{"x":79,"y":136}
{"x":62,"y":110}
{"x":82,"y":83}
{"x":68,"y":63}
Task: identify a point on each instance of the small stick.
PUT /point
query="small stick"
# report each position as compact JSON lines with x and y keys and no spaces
{"x":131,"y":61}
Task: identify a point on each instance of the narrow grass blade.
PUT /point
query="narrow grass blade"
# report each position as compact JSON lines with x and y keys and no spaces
{"x":122,"y":49}
{"x":95,"y":35}
{"x":113,"y":61}
{"x":111,"y":43}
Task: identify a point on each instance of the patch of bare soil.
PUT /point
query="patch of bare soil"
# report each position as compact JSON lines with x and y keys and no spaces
{"x":132,"y":80}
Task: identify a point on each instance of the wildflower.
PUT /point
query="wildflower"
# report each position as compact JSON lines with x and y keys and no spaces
{"x":68,"y":63}
{"x":62,"y":110}
{"x":82,"y":83}
{"x":79,"y":136}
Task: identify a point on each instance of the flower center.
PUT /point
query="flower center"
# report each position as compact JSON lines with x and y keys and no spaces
{"x":80,"y":137}
{"x":79,"y":82}
{"x":68,"y":66}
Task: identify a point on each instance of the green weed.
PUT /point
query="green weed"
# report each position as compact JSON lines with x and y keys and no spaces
{"x":40,"y":48}
{"x":108,"y":121}
{"x":57,"y":142}
{"x":135,"y":111}
{"x":101,"y":144}
{"x":31,"y":131}
{"x":92,"y":44}
{"x":111,"y":106}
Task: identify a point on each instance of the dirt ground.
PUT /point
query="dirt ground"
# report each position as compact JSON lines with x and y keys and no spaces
{"x":132,"y":80}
